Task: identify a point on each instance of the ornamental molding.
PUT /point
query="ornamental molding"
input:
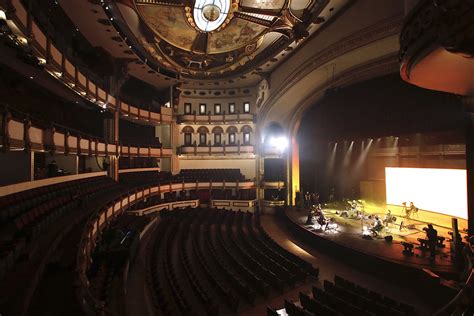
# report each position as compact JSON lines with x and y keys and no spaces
{"x":385,"y":28}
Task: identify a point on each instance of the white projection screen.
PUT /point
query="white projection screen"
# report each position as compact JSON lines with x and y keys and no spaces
{"x":437,"y":190}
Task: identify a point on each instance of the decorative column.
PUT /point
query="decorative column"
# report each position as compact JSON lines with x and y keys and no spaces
{"x":111,"y":125}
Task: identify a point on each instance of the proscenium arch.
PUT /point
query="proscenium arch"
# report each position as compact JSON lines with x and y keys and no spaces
{"x":376,"y":68}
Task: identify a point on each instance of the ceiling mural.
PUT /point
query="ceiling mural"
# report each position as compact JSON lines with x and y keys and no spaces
{"x":169,"y":23}
{"x":213,"y":39}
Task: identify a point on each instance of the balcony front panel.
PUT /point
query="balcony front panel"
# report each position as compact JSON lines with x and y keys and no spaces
{"x":216,"y":150}
{"x":216,"y":118}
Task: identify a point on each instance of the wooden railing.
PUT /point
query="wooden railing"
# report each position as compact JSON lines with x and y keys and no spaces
{"x":273,"y":184}
{"x":234,"y":205}
{"x":60,"y":67}
{"x":17,"y":134}
{"x":216,"y":150}
{"x":217,"y":118}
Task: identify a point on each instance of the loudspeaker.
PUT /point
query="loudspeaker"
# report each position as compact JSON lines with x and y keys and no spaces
{"x":388,"y":238}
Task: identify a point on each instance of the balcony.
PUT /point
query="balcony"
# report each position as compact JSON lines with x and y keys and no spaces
{"x":85,"y":84}
{"x":216,"y":119}
{"x":273,"y":184}
{"x":216,"y":150}
{"x":436,"y":46}
{"x":21,"y":134}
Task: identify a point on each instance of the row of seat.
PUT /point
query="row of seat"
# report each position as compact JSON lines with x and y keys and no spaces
{"x":115,"y":247}
{"x":29,"y":218}
{"x":14,"y":204}
{"x":344,"y":298}
{"x":211,"y":174}
{"x":210,"y":257}
{"x":144,"y":178}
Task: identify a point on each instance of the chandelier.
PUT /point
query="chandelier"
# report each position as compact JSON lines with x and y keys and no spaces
{"x":209,"y":15}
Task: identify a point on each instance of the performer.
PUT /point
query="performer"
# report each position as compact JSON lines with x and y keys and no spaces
{"x":412,"y":209}
{"x":388,"y":218}
{"x":377,"y":226}
{"x":405,"y":210}
{"x":309,"y":220}
{"x":432,"y":236}
{"x":306,"y":200}
{"x":332,"y":195}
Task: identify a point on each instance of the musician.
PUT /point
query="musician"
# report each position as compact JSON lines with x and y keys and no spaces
{"x":354,"y":205}
{"x":306,"y":200}
{"x":321,"y":219}
{"x":309,"y":220}
{"x":405,"y":209}
{"x":432,"y":236}
{"x":332,"y":195}
{"x":315,"y":198}
{"x":388,"y":218}
{"x":377,"y":226}
{"x":412,"y":209}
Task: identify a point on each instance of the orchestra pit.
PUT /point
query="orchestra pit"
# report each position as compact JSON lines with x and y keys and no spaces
{"x":236,"y":157}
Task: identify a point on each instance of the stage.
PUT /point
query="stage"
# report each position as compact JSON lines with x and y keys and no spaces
{"x":347,"y":240}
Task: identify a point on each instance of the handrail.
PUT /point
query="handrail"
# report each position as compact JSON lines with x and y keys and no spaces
{"x":17,"y":133}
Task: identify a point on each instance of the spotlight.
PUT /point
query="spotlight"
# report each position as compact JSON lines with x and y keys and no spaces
{"x":279,"y":142}
{"x":3,"y":16}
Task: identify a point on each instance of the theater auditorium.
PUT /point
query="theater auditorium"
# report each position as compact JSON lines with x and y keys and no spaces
{"x":236,"y":157}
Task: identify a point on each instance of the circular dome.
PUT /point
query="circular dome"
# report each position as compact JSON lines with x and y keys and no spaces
{"x":211,"y":12}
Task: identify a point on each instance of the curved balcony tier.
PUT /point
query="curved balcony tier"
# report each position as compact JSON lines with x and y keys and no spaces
{"x":216,"y":150}
{"x":60,"y":67}
{"x":436,"y":50}
{"x":16,"y":134}
{"x":216,"y":118}
{"x":273,"y":184}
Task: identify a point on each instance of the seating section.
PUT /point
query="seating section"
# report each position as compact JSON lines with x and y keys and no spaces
{"x":145,"y":178}
{"x":132,"y":179}
{"x":215,"y":175}
{"x":227,"y":194}
{"x":155,"y":200}
{"x":344,"y":297}
{"x":206,"y":261}
{"x":26,"y":215}
{"x":120,"y":243}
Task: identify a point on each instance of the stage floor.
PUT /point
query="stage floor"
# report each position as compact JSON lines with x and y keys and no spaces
{"x":349,"y":234}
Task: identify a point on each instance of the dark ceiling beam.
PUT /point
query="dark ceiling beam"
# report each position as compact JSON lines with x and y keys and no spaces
{"x":200,"y":43}
{"x":253,"y":19}
{"x":271,"y":12}
{"x":161,"y":2}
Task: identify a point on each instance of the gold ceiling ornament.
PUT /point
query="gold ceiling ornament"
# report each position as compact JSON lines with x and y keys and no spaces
{"x":212,"y":38}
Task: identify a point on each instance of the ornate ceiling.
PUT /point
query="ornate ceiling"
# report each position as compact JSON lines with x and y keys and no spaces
{"x":215,"y":39}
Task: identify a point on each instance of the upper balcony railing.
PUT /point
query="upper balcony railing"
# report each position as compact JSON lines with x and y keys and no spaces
{"x":60,"y":67}
{"x":208,"y":150}
{"x":22,"y":134}
{"x":436,"y":46}
{"x":216,"y":118}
